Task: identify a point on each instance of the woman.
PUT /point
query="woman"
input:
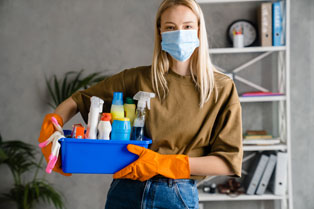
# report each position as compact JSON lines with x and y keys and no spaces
{"x":194,"y":122}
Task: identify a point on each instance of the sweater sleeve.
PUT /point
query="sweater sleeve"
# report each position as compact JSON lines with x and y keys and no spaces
{"x":227,"y":138}
{"x":104,"y":90}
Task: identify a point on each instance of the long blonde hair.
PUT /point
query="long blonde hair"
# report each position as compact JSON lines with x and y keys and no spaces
{"x":201,"y":67}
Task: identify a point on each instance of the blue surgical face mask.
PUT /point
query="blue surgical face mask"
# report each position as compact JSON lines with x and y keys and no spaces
{"x":180,"y":44}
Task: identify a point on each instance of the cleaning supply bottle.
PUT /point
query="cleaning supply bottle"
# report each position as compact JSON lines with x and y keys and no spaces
{"x":121,"y":129}
{"x":117,"y":110}
{"x":129,"y":109}
{"x":104,"y":126}
{"x":139,"y":122}
{"x":93,"y":117}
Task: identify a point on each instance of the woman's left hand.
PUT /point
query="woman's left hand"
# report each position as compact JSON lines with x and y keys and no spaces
{"x":150,"y":164}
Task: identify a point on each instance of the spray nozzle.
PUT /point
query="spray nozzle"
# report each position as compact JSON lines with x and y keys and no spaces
{"x":97,"y":103}
{"x":143,"y":98}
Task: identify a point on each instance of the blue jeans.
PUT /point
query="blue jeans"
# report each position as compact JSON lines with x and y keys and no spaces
{"x":157,"y":192}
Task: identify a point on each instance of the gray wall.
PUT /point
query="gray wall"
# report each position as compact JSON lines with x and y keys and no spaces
{"x":302,"y":101}
{"x":39,"y":38}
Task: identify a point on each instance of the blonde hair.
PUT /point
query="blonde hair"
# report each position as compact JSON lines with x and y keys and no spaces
{"x":201,"y":67}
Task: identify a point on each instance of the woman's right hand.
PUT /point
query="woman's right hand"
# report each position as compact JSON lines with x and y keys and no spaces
{"x":47,"y":129}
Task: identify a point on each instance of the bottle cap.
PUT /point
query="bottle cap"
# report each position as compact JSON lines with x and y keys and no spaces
{"x":106,"y":117}
{"x":129,"y":100}
{"x":117,"y":98}
{"x":122,"y":119}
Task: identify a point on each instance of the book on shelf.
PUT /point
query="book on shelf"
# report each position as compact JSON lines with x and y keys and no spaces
{"x":259,"y":137}
{"x":256,"y":132}
{"x":266,"y":136}
{"x":260,"y":93}
{"x":261,"y":141}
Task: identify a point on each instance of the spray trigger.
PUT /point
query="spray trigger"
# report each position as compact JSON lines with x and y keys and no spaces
{"x":143,"y":98}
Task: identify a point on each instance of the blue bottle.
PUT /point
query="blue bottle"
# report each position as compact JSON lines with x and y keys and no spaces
{"x":121,"y":129}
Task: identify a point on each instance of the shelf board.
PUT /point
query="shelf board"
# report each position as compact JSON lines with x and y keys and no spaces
{"x":264,"y":147}
{"x":246,"y":49}
{"x":262,"y":99}
{"x":227,"y":1}
{"x":203,"y":197}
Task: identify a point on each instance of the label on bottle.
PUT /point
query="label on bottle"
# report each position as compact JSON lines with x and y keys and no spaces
{"x":117,"y":111}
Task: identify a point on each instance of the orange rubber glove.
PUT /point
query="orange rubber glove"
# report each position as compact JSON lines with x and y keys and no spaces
{"x":150,"y":164}
{"x":47,"y":129}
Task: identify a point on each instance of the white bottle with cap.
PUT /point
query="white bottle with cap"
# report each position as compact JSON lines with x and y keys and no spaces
{"x":139,"y":122}
{"x":104,"y":127}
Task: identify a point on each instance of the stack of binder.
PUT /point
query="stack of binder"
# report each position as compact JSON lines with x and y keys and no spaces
{"x":267,"y":171}
{"x":271,"y":19}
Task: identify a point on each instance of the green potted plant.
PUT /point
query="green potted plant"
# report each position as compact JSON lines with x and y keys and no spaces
{"x":26,"y":192}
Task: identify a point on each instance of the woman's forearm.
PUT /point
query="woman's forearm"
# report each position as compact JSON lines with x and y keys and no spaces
{"x":67,"y":109}
{"x":209,"y":166}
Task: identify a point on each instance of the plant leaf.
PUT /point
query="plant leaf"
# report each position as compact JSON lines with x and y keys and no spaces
{"x":71,"y":82}
{"x":48,"y":194}
{"x":57,"y":89}
{"x":20,"y":159}
{"x":64,"y":83}
{"x":76,"y":81}
{"x":3,"y":156}
{"x":52,"y":94}
{"x":20,"y":156}
{"x":25,"y":199}
{"x":67,"y":90}
{"x":87,"y":80}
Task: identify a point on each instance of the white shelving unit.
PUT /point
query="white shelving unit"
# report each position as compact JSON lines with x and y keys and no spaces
{"x":263,"y":99}
{"x":284,"y":201}
{"x":246,"y":50}
{"x":223,"y":197}
{"x":282,"y":147}
{"x":228,"y":1}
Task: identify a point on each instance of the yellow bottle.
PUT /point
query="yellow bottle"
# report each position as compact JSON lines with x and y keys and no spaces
{"x":129,"y":109}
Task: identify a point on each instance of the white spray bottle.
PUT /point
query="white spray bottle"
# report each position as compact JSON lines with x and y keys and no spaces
{"x":139,"y":122}
{"x":93,"y":117}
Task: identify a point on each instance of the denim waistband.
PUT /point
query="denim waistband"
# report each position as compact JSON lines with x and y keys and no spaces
{"x":161,"y":178}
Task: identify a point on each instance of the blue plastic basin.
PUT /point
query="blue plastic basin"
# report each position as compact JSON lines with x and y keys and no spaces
{"x":97,"y":156}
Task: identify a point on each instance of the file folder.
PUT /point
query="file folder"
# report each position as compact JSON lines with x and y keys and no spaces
{"x":266,"y":175}
{"x":277,"y":24}
{"x":278,"y":180}
{"x":265,"y":24}
{"x":255,"y":174}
